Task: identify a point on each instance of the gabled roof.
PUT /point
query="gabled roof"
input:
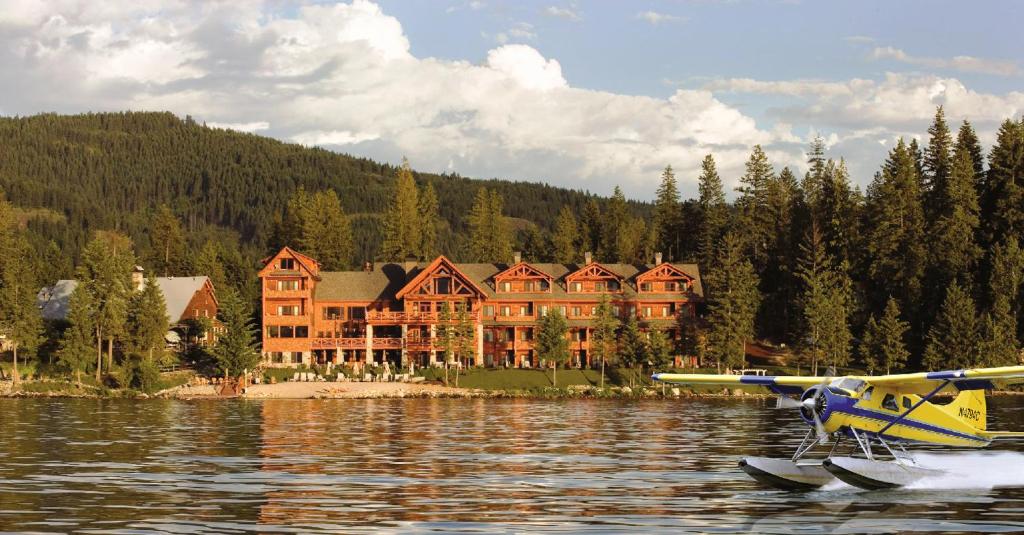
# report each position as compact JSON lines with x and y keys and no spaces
{"x":433,"y":267}
{"x":54,"y":300}
{"x":311,"y":265}
{"x":664,"y":268}
{"x":380,"y":284}
{"x":522,"y":267}
{"x":593,"y":269}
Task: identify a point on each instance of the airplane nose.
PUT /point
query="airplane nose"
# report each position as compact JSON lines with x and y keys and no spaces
{"x":809,"y":403}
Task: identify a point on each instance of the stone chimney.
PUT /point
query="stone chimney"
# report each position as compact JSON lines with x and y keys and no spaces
{"x":657,"y":258}
{"x":517,"y":257}
{"x":368,"y":266}
{"x":587,"y":258}
{"x":138,"y":278}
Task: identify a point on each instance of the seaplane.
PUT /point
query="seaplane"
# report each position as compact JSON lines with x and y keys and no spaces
{"x":861,"y":426}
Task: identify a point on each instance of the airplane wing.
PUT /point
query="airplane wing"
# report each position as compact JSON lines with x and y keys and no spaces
{"x":972,"y":379}
{"x":781,"y":384}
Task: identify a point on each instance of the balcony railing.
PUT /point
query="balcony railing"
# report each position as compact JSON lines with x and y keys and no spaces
{"x":387,"y":316}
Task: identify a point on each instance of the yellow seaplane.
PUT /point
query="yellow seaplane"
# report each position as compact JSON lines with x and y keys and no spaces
{"x":877,"y":416}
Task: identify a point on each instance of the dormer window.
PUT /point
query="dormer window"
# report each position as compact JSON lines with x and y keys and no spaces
{"x":575,"y":287}
{"x":506,"y":287}
{"x":645,"y":286}
{"x":444,"y":286}
{"x":670,"y":286}
{"x":287,"y":264}
{"x":544,"y":285}
{"x":528,"y":286}
{"x":613,"y":285}
{"x":599,"y":286}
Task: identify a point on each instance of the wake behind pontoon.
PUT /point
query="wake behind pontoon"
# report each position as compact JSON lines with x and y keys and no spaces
{"x":873,"y":475}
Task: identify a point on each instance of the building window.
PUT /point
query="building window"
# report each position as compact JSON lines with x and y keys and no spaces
{"x":489,"y":310}
{"x":273,"y":331}
{"x":670,"y":286}
{"x":277,"y":357}
{"x":599,"y":286}
{"x":613,"y":286}
{"x":506,"y":287}
{"x":288,"y":285}
{"x":526,"y":334}
{"x":528,"y":286}
{"x":666,"y":311}
{"x":575,"y":287}
{"x":647,"y":312}
{"x":357,"y":313}
{"x":576,"y":312}
{"x":296,"y":357}
{"x":616,"y":310}
{"x":543,"y":309}
{"x":488,"y":336}
{"x":287,"y":331}
{"x":645,"y":286}
{"x":301,"y":331}
{"x":332,"y":313}
{"x":561,"y":310}
{"x":287,"y":263}
{"x":632,"y":311}
{"x":544,"y":286}
{"x":506,"y":310}
{"x":524,"y":310}
{"x":291,"y":310}
{"x":444,"y":285}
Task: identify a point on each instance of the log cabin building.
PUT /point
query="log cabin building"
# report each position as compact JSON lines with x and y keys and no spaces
{"x":390,"y":312}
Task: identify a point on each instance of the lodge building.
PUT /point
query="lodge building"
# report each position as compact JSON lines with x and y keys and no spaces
{"x":390,"y":312}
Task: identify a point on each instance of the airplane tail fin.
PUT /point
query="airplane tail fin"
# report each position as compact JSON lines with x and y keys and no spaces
{"x":970,"y":407}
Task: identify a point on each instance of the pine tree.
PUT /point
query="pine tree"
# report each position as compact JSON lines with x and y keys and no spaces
{"x":552,"y":344}
{"x":837,"y":212}
{"x":632,"y":346}
{"x":826,"y":304}
{"x":895,"y":231}
{"x":1002,"y":200}
{"x":883,"y":346}
{"x":167,"y":243}
{"x":78,"y":340}
{"x":659,"y":349}
{"x":938,"y":165}
{"x":967,"y":140}
{"x":733,"y":304}
{"x":464,"y":336}
{"x":298,"y":210}
{"x":500,"y":230}
{"x":105,"y":272}
{"x":402,"y":224}
{"x":430,"y":222}
{"x":998,"y":344}
{"x":667,"y":215}
{"x":591,"y":227}
{"x":615,"y":228}
{"x":783,"y":200}
{"x":953,"y":339}
{"x":20,"y":321}
{"x":954,"y":252}
{"x":326,"y":234}
{"x":565,"y":237}
{"x":813,"y":183}
{"x":147,"y":318}
{"x":208,"y":262}
{"x":754,"y":217}
{"x":1007,"y":279}
{"x":237,"y":348}
{"x":490,"y":235}
{"x":713,"y":209}
{"x":602,"y":336}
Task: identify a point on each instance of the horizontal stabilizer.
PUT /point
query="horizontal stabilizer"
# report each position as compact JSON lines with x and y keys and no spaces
{"x":993,"y":435}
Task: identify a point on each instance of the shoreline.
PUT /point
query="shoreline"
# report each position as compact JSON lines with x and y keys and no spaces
{"x":395,"y":390}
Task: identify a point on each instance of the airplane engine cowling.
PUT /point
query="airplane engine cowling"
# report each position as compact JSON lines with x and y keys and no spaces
{"x":820,"y":404}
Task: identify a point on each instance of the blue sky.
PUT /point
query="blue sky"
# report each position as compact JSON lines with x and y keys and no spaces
{"x":580,"y":94}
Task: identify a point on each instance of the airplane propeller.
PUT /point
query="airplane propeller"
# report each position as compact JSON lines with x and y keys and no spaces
{"x":809,"y":405}
{"x":786,"y":402}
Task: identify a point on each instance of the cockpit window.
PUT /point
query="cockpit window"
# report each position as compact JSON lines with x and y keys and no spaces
{"x":889,"y":402}
{"x":867,"y":393}
{"x":907,"y":403}
{"x":848,"y":384}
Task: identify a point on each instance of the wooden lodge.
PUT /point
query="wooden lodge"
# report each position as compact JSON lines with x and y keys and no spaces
{"x":391,"y":312}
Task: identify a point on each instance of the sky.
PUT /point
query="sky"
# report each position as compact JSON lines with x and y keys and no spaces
{"x":586,"y":95}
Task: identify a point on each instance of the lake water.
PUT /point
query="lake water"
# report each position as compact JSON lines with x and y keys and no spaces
{"x":457,"y":465}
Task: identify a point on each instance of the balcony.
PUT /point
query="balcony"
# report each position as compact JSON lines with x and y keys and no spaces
{"x":397,"y":318}
{"x":287,"y":294}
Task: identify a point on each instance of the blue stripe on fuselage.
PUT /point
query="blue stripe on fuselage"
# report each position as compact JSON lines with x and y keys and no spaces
{"x":846,"y":405}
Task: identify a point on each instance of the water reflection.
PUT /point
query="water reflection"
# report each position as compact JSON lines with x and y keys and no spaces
{"x":443,"y":465}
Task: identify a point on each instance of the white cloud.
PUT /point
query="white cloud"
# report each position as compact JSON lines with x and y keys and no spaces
{"x":656,"y":18}
{"x":520,"y":30}
{"x":334,"y":137}
{"x":971,"y":64}
{"x":568,"y":13}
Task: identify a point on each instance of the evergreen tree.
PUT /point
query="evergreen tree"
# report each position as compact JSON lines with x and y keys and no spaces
{"x":20,"y":321}
{"x":777,"y":281}
{"x":299,"y":209}
{"x":602,"y":336}
{"x":105,"y":272}
{"x":967,"y":140}
{"x":552,"y":344}
{"x":998,"y":344}
{"x":464,"y":336}
{"x":733,"y":304}
{"x":837,"y":212}
{"x":1002,"y":200}
{"x":535,"y":245}
{"x":813,"y":183}
{"x":754,"y":215}
{"x":826,"y":304}
{"x":402,"y":236}
{"x":953,"y":338}
{"x":591,"y":227}
{"x":490,"y":235}
{"x":167,"y":244}
{"x":1007,"y":278}
{"x":430,"y":222}
{"x":565,"y":237}
{"x":326,"y":234}
{"x":714,"y":212}
{"x":659,"y":349}
{"x":147,"y":318}
{"x":237,"y":347}
{"x":882,"y":346}
{"x":616,"y":228}
{"x":667,"y":215}
{"x":954,"y":252}
{"x":208,"y":263}
{"x":938,"y":164}
{"x":78,"y":340}
{"x":632,"y":346}
{"x":895,"y":231}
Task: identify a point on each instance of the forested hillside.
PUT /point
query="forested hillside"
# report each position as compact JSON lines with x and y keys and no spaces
{"x":112,"y":170}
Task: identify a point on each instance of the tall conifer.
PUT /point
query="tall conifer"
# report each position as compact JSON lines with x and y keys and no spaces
{"x":882,"y":345}
{"x":402,"y":222}
{"x":733,"y":303}
{"x":667,"y":215}
{"x":714,"y":212}
{"x":566,"y":236}
{"x":430,"y":222}
{"x":953,"y":340}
